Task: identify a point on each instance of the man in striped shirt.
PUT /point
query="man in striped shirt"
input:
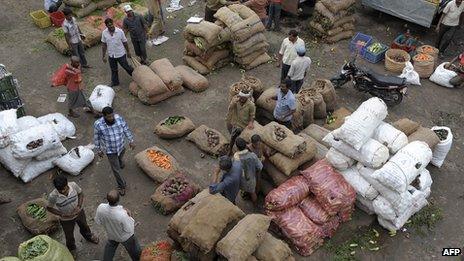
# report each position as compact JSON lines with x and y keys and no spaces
{"x":110,"y":134}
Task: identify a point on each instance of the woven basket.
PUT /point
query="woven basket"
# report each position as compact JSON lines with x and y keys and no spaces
{"x":393,"y":66}
{"x":433,"y":53}
{"x":424,"y":68}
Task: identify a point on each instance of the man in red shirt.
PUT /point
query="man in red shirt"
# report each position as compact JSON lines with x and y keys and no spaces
{"x":275,"y":8}
{"x":76,"y":97}
{"x":457,"y":81}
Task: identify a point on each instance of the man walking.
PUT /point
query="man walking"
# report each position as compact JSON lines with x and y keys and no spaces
{"x":73,"y":36}
{"x":114,"y":42}
{"x":240,"y":115}
{"x":229,"y":185}
{"x":448,"y":24}
{"x":65,"y":201}
{"x":136,"y":25}
{"x":275,"y":9}
{"x":119,"y":226}
{"x":287,"y":52}
{"x":299,"y":69}
{"x":76,"y":97}
{"x":285,"y":106}
{"x":110,"y":133}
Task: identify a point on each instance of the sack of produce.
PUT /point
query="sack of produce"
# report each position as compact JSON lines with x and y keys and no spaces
{"x":77,"y":3}
{"x":227,"y":16}
{"x":276,"y":176}
{"x":327,"y":90}
{"x":320,"y":108}
{"x":160,"y":250}
{"x":273,"y":249}
{"x":331,"y":190}
{"x":404,"y":166}
{"x":313,"y":210}
{"x":250,"y":57}
{"x":181,"y":218}
{"x":318,"y":133}
{"x":288,"y":165}
{"x":244,"y":238}
{"x":411,"y":76}
{"x":362,"y":187}
{"x":428,"y":50}
{"x":35,"y":217}
{"x":92,"y":34}
{"x":283,"y":140}
{"x":34,"y":141}
{"x":360,"y":126}
{"x":9,"y":162}
{"x":247,"y":28}
{"x":173,"y":193}
{"x":196,"y":65}
{"x":53,"y":153}
{"x":248,"y":133}
{"x":26,"y":122}
{"x":57,"y":39}
{"x":64,"y":127}
{"x":396,"y":59}
{"x":76,"y":160}
{"x":84,"y":11}
{"x":339,"y":160}
{"x":304,"y":114}
{"x":321,"y":150}
{"x":168,"y":74}
{"x":209,"y":140}
{"x":263,"y":58}
{"x":424,"y":65}
{"x":238,"y":87}
{"x":289,"y":194}
{"x":302,"y":232}
{"x":264,"y":102}
{"x":192,"y":79}
{"x":253,"y":49}
{"x":242,"y":47}
{"x":406,"y":126}
{"x":214,"y":61}
{"x":134,"y":88}
{"x":43,"y":248}
{"x":174,"y":127}
{"x":426,"y":135}
{"x":440,"y":151}
{"x":391,"y":137}
{"x":336,"y":119}
{"x":206,"y":30}
{"x":102,"y":96}
{"x":36,"y":168}
{"x":243,"y":11}
{"x":151,"y":100}
{"x":341,"y":36}
{"x":149,"y":81}
{"x":335,"y":6}
{"x":157,"y":163}
{"x":9,"y":126}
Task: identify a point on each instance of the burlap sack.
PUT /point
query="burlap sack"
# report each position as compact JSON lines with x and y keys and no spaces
{"x":318,"y":133}
{"x":339,"y":118}
{"x":406,"y":125}
{"x":183,"y":216}
{"x":254,"y":82}
{"x":36,"y":226}
{"x":92,"y":34}
{"x":155,"y":172}
{"x":56,"y":38}
{"x":85,"y":11}
{"x":147,"y":100}
{"x":325,"y":12}
{"x":291,"y":145}
{"x":191,"y":49}
{"x":334,"y":31}
{"x":244,"y":238}
{"x":327,"y":90}
{"x":426,"y":135}
{"x":134,"y":88}
{"x":249,"y":43}
{"x":251,"y":57}
{"x":196,"y":65}
{"x":192,"y":79}
{"x":317,"y":27}
{"x":214,"y":58}
{"x":200,"y":138}
{"x":341,"y":36}
{"x":320,"y":107}
{"x":252,"y":49}
{"x":148,"y":81}
{"x":248,"y":133}
{"x":304,"y":114}
{"x":273,"y":249}
{"x":103,"y":4}
{"x":77,"y":3}
{"x":225,"y":35}
{"x":174,"y":131}
{"x":321,"y":150}
{"x":336,"y":6}
{"x":168,"y":74}
{"x":227,"y":16}
{"x":288,"y":165}
{"x":348,"y":26}
{"x":344,"y":20}
{"x":243,"y":11}
{"x":263,"y":58}
{"x":247,"y":28}
{"x":206,"y":30}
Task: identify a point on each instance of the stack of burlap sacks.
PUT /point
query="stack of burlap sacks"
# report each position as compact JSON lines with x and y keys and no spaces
{"x":231,"y":234}
{"x":333,"y":20}
{"x":247,"y":84}
{"x":82,"y":8}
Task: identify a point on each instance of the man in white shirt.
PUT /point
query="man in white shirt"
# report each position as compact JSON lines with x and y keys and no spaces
{"x":287,"y":52}
{"x":114,"y":42}
{"x":119,"y":227}
{"x":73,"y":36}
{"x":299,"y":69}
{"x":448,"y":24}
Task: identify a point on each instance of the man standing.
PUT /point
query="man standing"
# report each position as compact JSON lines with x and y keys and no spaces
{"x":65,"y":201}
{"x":52,"y":5}
{"x":137,"y":27}
{"x":287,"y":52}
{"x":76,"y":97}
{"x":251,"y":166}
{"x":448,"y":24}
{"x":115,"y":43}
{"x":110,"y":133}
{"x":285,"y":106}
{"x":259,"y":7}
{"x":229,"y":186}
{"x":275,"y":8}
{"x":240,"y":115}
{"x":119,"y":226}
{"x":73,"y":36}
{"x":299,"y":69}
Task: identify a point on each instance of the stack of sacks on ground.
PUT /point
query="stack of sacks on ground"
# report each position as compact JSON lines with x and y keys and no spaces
{"x":57,"y":38}
{"x":29,"y":145}
{"x":333,"y":20}
{"x":247,"y":84}
{"x":309,"y":207}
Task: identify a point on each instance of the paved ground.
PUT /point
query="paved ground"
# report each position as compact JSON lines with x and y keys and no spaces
{"x":23,"y":51}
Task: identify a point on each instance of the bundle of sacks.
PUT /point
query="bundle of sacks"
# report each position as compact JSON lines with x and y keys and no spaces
{"x":247,"y":84}
{"x":92,"y":37}
{"x":333,"y":20}
{"x":309,"y":207}
{"x":82,"y":8}
{"x":231,"y":234}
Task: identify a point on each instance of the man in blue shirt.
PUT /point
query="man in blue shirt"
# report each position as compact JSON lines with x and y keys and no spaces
{"x":110,"y":133}
{"x":52,"y":5}
{"x":229,"y":186}
{"x":286,"y":104}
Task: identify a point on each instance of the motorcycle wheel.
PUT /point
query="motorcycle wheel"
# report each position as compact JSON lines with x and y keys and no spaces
{"x":392,"y":98}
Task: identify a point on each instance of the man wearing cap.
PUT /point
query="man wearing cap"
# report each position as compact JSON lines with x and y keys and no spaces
{"x":137,"y":27}
{"x":457,"y":81}
{"x":299,"y":69}
{"x":240,"y":115}
{"x":287,"y":52}
{"x":448,"y":24}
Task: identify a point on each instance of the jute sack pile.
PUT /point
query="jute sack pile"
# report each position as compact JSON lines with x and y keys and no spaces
{"x":209,"y":140}
{"x":177,"y":130}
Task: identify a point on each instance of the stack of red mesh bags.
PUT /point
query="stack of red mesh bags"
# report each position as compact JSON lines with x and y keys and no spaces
{"x":309,"y":207}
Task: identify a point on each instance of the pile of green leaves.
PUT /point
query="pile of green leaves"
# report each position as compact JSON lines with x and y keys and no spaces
{"x":363,"y":239}
{"x":172,"y":120}
{"x":58,"y":33}
{"x":330,"y":118}
{"x":36,"y":211}
{"x":34,"y":248}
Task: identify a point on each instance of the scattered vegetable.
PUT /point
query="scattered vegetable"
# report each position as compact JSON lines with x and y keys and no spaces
{"x":36,"y":211}
{"x":34,"y":249}
{"x":173,"y":120}
{"x":213,"y":138}
{"x":160,"y":159}
{"x":441,"y":133}
{"x":174,"y":186}
{"x":376,"y":48}
{"x":330,"y":118}
{"x":279,"y":133}
{"x":422,"y":57}
{"x":34,"y":144}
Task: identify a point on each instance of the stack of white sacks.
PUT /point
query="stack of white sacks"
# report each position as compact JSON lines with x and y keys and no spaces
{"x":387,"y":172}
{"x":30,"y":146}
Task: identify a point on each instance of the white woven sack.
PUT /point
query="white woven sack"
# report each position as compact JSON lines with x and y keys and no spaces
{"x":43,"y":133}
{"x":391,"y":137}
{"x":384,"y":209}
{"x":16,"y":166}
{"x":35,"y":168}
{"x":76,"y":160}
{"x":64,"y":127}
{"x":372,"y":153}
{"x":102,"y":96}
{"x":412,"y":77}
{"x":442,"y":76}
{"x":440,"y":151}
{"x":424,"y":180}
{"x":359,"y":184}
{"x":365,"y":205}
{"x":338,"y":160}
{"x":8,"y":126}
{"x":361,"y":124}
{"x":58,"y":152}
{"x":404,"y":166}
{"x":26,"y":122}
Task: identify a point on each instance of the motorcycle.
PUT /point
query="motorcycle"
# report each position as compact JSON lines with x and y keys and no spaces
{"x":390,"y":89}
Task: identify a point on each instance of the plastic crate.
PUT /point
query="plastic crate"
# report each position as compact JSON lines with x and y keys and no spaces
{"x":7,"y":83}
{"x":41,"y":18}
{"x":375,"y":58}
{"x":360,"y":37}
{"x":12,"y":104}
{"x":8,"y":95}
{"x":57,"y":18}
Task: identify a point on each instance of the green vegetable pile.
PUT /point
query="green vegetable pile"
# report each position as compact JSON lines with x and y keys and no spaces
{"x":200,"y":42}
{"x":376,"y":48}
{"x":173,"y":120}
{"x":58,"y":33}
{"x":34,"y":249}
{"x":36,"y":211}
{"x":442,"y":134}
{"x":330,"y":118}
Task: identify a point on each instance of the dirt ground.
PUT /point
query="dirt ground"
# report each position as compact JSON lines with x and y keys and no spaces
{"x":24,"y":52}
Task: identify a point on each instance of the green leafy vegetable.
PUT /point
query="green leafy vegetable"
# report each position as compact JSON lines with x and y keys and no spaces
{"x":34,"y":249}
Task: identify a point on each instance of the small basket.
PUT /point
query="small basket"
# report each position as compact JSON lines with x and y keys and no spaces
{"x":424,"y":68}
{"x":433,"y":53}
{"x":57,"y":18}
{"x":41,"y":18}
{"x":375,"y":57}
{"x":354,"y":47}
{"x":392,"y":65}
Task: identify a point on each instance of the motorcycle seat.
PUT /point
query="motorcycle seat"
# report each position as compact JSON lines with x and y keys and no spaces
{"x":384,"y":80}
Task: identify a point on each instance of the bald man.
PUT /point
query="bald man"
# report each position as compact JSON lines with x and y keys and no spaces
{"x":119,"y":226}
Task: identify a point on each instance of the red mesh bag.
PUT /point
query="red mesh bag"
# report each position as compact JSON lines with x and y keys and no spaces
{"x":313,"y":210}
{"x":290,"y":193}
{"x":157,"y":251}
{"x":330,"y":188}
{"x":59,"y":77}
{"x":330,"y":227}
{"x":345,"y":214}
